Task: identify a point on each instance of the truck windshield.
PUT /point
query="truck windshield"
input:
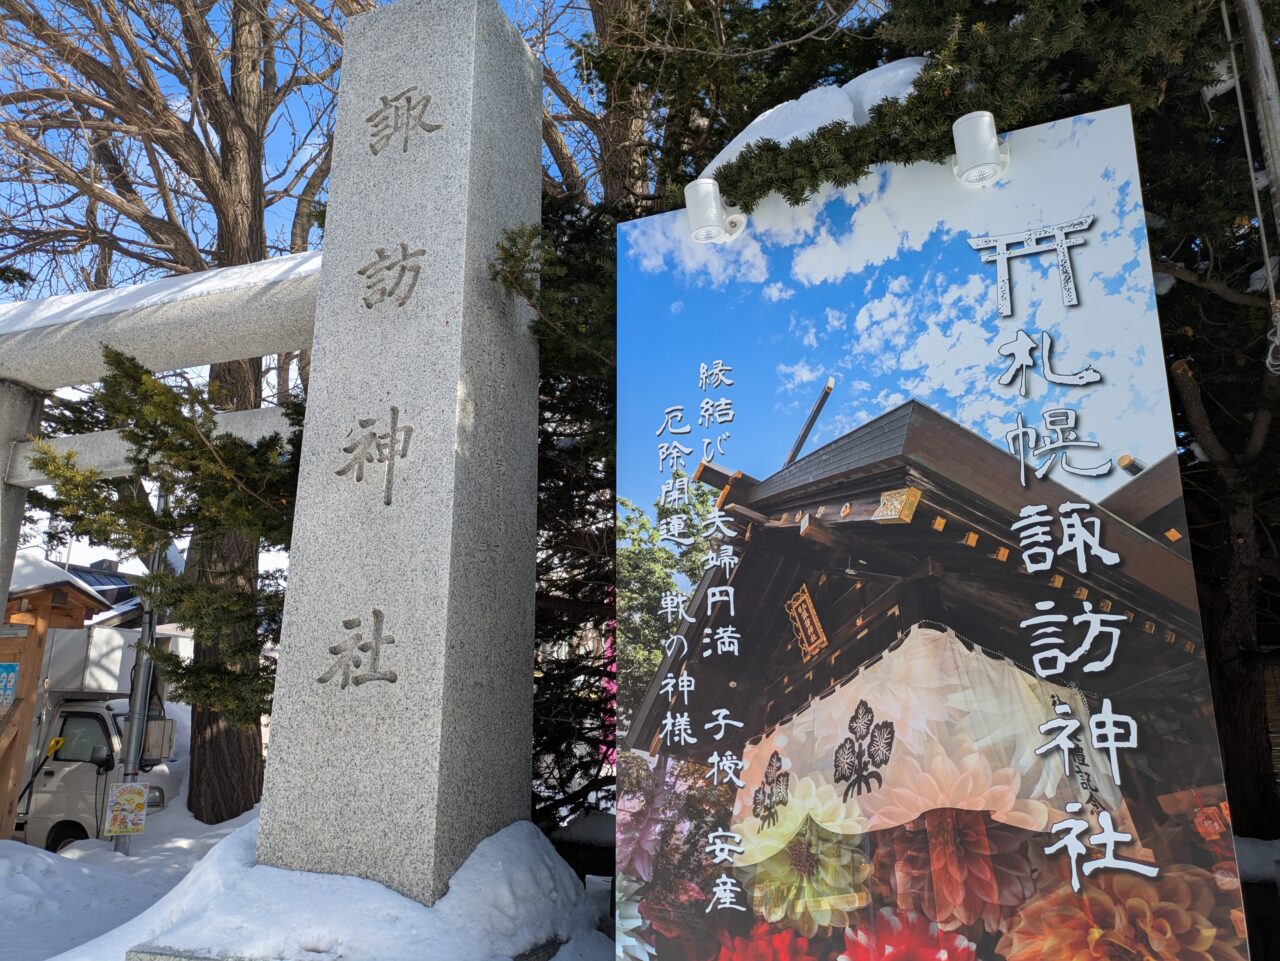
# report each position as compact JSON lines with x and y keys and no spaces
{"x":81,"y":733}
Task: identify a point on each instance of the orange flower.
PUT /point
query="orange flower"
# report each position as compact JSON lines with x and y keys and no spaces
{"x":959,"y":868}
{"x":1120,"y":916}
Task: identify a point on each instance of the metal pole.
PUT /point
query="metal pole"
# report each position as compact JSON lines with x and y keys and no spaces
{"x":140,"y":692}
{"x":1261,"y":69}
{"x":813,"y":417}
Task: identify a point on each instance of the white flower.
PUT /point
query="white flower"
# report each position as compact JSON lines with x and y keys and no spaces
{"x":631,"y":930}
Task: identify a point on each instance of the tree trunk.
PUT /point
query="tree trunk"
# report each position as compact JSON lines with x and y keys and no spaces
{"x":226,"y":758}
{"x":220,"y":749}
{"x":227,"y":764}
{"x":1238,"y":682}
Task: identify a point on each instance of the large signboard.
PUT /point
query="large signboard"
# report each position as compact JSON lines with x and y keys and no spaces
{"x":930,"y":683}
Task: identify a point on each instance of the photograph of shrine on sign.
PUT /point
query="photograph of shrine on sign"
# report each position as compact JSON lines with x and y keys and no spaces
{"x":910,"y":659}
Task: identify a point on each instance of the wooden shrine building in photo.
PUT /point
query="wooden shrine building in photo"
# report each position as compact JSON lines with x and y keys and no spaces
{"x":908,"y":520}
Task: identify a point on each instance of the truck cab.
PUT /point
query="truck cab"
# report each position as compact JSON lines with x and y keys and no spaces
{"x":68,"y":797}
{"x":80,"y":705}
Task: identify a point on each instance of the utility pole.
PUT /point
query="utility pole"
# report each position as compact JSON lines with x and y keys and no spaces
{"x":1261,"y":69}
{"x":140,"y":690}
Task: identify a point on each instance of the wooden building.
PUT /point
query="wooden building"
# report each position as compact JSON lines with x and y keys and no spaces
{"x":50,"y":598}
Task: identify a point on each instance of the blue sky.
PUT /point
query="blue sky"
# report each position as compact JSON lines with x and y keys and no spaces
{"x":876,"y":286}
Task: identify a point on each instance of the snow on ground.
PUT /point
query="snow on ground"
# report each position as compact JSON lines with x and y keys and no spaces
{"x":196,"y":886}
{"x":513,"y":893}
{"x":52,"y":902}
{"x":49,"y":903}
{"x":49,"y":311}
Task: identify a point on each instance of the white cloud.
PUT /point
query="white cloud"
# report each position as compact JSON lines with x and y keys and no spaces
{"x":677,"y":306}
{"x":915,"y":315}
{"x":896,"y":208}
{"x":887,"y":400}
{"x":776,"y":222}
{"x":792,"y":376}
{"x":804,"y":329}
{"x":662,"y":243}
{"x":882,"y":226}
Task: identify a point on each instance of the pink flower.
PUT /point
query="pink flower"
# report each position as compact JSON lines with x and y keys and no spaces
{"x":767,"y":944}
{"x":905,"y":936}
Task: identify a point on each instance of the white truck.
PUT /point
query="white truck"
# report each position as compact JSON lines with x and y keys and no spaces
{"x":85,"y":703}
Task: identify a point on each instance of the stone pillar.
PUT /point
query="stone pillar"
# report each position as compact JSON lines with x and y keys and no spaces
{"x":401,"y":731}
{"x":19,"y":419}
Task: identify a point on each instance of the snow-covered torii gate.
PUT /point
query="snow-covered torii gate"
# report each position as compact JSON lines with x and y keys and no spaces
{"x":403,"y":708}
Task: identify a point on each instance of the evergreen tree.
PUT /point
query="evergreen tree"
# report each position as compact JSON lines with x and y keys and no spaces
{"x":648,"y":568}
{"x":217,"y":487}
{"x":152,"y":138}
{"x":563,"y":269}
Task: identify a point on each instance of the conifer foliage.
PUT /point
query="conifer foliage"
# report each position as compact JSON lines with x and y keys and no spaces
{"x":233,"y":498}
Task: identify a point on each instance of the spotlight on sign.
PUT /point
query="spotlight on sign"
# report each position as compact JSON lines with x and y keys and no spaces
{"x":710,"y":221}
{"x":980,"y":157}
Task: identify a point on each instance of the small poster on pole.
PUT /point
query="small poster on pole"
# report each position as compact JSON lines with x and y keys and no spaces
{"x":126,"y":810}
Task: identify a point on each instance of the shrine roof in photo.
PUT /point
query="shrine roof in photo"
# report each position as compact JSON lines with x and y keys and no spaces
{"x":908,"y":519}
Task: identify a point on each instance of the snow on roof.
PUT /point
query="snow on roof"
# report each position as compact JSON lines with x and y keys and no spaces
{"x":50,"y":311}
{"x":851,"y":103}
{"x":30,"y":571}
{"x":125,"y":607}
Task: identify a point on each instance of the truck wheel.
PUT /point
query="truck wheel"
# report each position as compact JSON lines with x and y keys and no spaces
{"x":64,"y":833}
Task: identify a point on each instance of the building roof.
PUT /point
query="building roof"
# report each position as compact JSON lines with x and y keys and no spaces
{"x":873,"y":443}
{"x":958,"y":463}
{"x":33,"y":573}
{"x":913,"y":498}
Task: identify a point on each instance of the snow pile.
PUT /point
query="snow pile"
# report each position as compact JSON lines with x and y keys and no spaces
{"x":52,"y":902}
{"x":173,"y":842}
{"x":512,"y":894}
{"x":28,"y":315}
{"x":49,"y":903}
{"x":851,"y":103}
